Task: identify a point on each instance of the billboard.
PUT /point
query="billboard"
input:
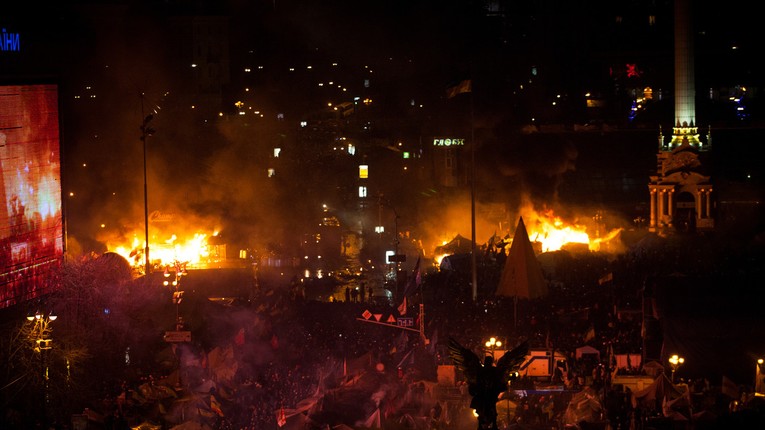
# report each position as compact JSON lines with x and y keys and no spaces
{"x":31,"y":224}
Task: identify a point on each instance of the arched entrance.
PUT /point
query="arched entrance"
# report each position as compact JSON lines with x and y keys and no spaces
{"x":684,"y":217}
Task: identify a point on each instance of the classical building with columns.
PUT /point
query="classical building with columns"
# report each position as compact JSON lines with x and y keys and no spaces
{"x":681,"y":192}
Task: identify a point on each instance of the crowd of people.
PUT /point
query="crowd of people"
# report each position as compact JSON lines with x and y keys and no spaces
{"x":278,"y":357}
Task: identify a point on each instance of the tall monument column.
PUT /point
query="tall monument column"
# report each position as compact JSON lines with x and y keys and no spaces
{"x":679,"y":162}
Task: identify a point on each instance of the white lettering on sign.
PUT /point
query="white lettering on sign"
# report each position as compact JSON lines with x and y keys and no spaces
{"x":448,"y":142}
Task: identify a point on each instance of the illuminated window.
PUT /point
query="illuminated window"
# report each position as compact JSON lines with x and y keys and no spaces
{"x":362,"y":191}
{"x":406,"y":154}
{"x":366,"y":83}
{"x":351,"y":149}
{"x":363,"y":171}
{"x":271,"y":172}
{"x":277,"y":151}
{"x":652,"y":20}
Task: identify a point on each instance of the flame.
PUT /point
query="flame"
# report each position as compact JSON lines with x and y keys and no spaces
{"x":549,"y":232}
{"x":552,"y":232}
{"x":439,"y":258}
{"x":193,"y":251}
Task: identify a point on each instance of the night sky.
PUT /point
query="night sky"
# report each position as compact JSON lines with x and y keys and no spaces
{"x":118,"y":62}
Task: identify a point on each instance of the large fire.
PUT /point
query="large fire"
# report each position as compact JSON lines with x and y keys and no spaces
{"x":554,"y":233}
{"x":194,"y":251}
{"x":549,"y":232}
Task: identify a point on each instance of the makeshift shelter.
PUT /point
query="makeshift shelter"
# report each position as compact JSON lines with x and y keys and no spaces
{"x":587,"y":350}
{"x":522,"y":275}
{"x":456,"y":263}
{"x":458,"y":245}
{"x":585,"y":406}
{"x":653,"y":369}
{"x":662,"y":394}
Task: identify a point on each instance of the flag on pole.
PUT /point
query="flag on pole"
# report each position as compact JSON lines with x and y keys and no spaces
{"x":239,"y":338}
{"x":729,"y":388}
{"x":215,"y":406}
{"x":402,"y":307}
{"x":281,"y":417}
{"x":415,"y":280}
{"x":590,"y":334}
{"x":465,"y":86}
{"x":373,"y":421}
{"x":606,"y":278}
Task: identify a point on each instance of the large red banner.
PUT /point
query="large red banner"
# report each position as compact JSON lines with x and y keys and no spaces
{"x":31,"y":225}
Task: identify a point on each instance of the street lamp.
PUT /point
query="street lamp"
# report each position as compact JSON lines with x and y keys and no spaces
{"x":42,"y":330}
{"x":380,"y":229}
{"x":41,"y":334}
{"x":180,"y":272}
{"x":675,"y":362}
{"x":146,"y":131}
{"x":492,"y":344}
{"x":759,"y":380}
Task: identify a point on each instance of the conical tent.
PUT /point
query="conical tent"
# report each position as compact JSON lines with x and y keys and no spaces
{"x":522,"y":274}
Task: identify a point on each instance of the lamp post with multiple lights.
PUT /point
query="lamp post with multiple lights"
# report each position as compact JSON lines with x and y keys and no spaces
{"x":492,"y":344}
{"x":177,"y":275}
{"x":674,"y":363}
{"x":41,"y":334}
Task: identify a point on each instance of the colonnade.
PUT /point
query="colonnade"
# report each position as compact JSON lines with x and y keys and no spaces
{"x":663,"y":205}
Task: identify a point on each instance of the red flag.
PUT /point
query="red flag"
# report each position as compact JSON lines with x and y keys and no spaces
{"x":281,"y":418}
{"x":239,"y":338}
{"x":274,"y":342}
{"x":402,"y":307}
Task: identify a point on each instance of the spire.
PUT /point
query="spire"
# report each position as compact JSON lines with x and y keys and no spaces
{"x":522,"y":275}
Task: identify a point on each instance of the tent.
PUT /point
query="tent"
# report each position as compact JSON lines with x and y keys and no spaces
{"x":522,"y":274}
{"x":653,"y":368}
{"x":585,"y":406}
{"x":663,"y":394}
{"x":587,"y":350}
{"x":458,"y":245}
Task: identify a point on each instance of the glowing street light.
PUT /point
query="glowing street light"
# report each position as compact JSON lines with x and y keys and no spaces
{"x":675,"y":362}
{"x":492,"y":344}
{"x":180,"y":272}
{"x":41,"y":334}
{"x":759,"y":379}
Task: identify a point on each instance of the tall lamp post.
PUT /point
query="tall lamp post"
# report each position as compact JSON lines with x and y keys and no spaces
{"x":380,"y":229}
{"x":146,"y":131}
{"x":180,"y":272}
{"x":759,"y":379}
{"x":41,"y":334}
{"x":674,"y":363}
{"x":492,"y":344}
